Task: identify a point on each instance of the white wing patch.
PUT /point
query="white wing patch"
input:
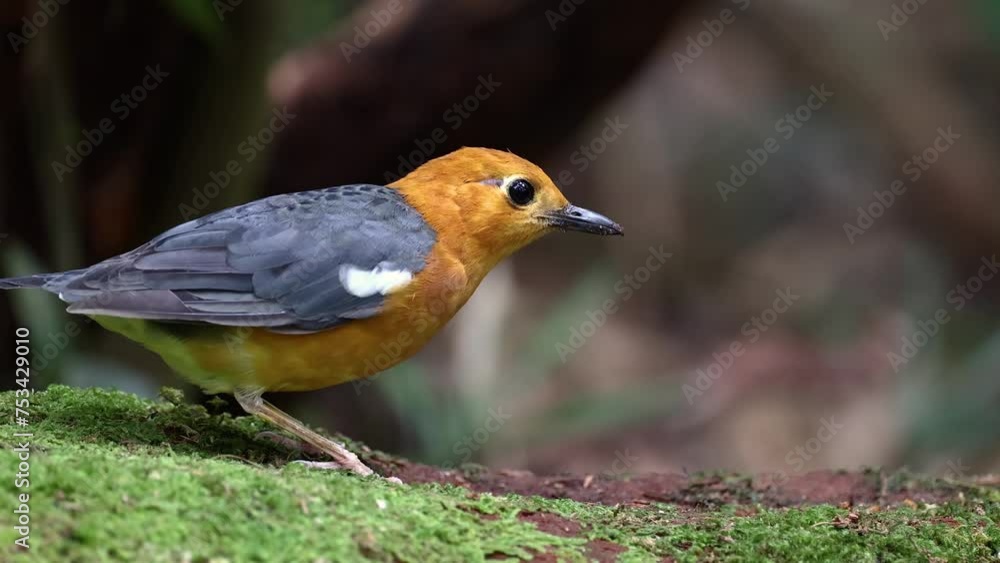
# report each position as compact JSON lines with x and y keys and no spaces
{"x":365,"y":283}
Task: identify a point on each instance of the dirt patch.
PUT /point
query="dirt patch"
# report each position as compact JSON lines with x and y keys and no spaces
{"x":822,"y":487}
{"x":602,"y":551}
{"x":552,"y":524}
{"x":861,"y":494}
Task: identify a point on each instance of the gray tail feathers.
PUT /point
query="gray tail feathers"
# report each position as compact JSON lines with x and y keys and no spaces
{"x":37,"y":280}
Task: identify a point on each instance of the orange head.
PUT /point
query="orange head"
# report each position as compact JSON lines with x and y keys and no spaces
{"x":494,"y":203}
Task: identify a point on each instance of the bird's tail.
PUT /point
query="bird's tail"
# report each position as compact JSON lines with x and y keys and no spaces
{"x":37,"y":280}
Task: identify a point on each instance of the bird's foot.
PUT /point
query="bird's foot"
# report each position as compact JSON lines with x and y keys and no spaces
{"x":325,"y":465}
{"x":352,"y":463}
{"x":343,"y":458}
{"x":289,"y":443}
{"x":251,"y":401}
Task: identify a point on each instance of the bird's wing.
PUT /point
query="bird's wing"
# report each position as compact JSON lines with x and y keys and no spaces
{"x":296,"y":263}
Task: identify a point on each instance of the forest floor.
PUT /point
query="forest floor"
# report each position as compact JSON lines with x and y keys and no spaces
{"x":114,"y":477}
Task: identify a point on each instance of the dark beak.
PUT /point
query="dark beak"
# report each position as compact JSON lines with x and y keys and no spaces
{"x":573,"y":218}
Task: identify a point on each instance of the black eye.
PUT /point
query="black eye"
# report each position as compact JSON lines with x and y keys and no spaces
{"x":521,"y":191}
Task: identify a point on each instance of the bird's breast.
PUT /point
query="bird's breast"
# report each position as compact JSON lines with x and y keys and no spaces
{"x":357,"y":349}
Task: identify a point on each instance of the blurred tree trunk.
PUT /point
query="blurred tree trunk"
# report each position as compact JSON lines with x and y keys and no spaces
{"x":370,"y":108}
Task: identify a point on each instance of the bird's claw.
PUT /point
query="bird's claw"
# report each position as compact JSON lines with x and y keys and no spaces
{"x":326,"y":465}
{"x":333,"y":465}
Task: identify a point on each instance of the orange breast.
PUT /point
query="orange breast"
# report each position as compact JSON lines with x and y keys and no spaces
{"x":357,"y":349}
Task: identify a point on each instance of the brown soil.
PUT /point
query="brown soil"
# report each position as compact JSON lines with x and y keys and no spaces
{"x":699,"y":492}
{"x":694,"y":496}
{"x":597,"y":550}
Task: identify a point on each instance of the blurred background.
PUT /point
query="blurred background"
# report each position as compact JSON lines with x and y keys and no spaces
{"x":821,"y":176}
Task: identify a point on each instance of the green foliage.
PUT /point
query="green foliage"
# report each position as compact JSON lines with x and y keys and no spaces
{"x":199,"y":15}
{"x":990,"y":12}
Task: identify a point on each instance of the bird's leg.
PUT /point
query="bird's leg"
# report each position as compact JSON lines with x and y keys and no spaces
{"x":252,"y":402}
{"x":287,"y":442}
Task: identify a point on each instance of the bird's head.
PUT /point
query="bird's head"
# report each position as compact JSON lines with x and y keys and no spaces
{"x":496,"y":198}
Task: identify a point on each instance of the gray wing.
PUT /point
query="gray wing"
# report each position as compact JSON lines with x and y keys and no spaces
{"x":278,"y":263}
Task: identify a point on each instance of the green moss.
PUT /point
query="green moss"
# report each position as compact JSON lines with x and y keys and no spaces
{"x":960,"y":531}
{"x":114,"y":477}
{"x":117,"y":478}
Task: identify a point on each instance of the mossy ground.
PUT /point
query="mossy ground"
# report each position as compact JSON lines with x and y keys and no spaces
{"x":116,"y":478}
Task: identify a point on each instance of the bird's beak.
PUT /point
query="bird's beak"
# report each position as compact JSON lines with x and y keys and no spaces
{"x":573,"y":218}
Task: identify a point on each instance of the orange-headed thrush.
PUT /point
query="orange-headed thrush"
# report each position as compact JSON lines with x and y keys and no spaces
{"x":300,"y":291}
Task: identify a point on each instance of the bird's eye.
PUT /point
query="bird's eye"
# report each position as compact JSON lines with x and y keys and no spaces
{"x":521,"y":191}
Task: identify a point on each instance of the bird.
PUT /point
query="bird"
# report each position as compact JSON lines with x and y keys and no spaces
{"x":302,"y":291}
